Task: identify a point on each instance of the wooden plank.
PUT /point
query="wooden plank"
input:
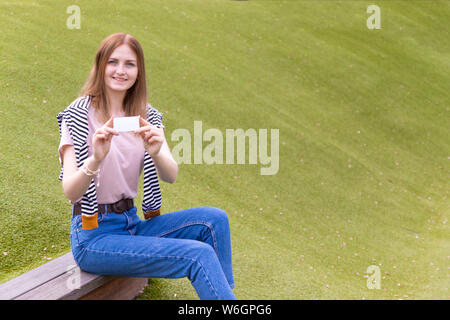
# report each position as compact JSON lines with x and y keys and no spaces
{"x":120,"y":288}
{"x":91,"y":287}
{"x":64,"y":286}
{"x":62,"y":279}
{"x":36,"y":277}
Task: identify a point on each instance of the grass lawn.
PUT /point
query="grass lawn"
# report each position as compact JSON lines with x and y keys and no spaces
{"x":363,"y":118}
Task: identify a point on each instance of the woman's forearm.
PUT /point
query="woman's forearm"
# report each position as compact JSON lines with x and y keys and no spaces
{"x":76,"y":182}
{"x":166,"y":166}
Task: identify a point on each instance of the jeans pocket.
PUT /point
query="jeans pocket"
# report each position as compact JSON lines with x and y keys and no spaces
{"x":81,"y":236}
{"x":74,"y":221}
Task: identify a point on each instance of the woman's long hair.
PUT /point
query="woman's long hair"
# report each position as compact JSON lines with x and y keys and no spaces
{"x":135,"y":99}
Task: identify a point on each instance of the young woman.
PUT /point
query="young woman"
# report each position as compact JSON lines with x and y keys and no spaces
{"x":100,"y":170}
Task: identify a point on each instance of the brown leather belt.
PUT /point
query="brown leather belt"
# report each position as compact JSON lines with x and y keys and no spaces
{"x":116,"y":207}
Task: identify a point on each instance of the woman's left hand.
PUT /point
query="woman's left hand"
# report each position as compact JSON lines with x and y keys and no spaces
{"x":152,"y":136}
{"x":156,"y":146}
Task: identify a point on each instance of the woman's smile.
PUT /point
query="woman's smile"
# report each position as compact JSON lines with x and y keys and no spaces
{"x":118,"y":79}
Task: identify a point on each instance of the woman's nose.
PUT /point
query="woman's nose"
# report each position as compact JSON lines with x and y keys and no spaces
{"x":120,"y":69}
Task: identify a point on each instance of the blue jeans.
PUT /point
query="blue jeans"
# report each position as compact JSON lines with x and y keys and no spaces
{"x":193,"y":243}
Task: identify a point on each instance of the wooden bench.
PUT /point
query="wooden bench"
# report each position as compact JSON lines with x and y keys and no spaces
{"x":62,"y":279}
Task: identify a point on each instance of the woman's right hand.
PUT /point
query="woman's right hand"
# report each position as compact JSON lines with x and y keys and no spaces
{"x":76,"y":182}
{"x":101,"y":140}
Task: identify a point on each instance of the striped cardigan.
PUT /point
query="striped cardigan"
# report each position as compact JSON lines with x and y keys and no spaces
{"x":76,"y":118}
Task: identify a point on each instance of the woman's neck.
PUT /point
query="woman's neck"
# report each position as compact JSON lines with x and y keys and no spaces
{"x":115,"y":105}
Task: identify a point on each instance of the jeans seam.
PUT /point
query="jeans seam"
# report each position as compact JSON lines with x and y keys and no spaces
{"x":158,"y":256}
{"x":211,"y":229}
{"x":128,"y":224}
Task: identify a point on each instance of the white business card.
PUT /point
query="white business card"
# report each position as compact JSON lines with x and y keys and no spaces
{"x":125,"y":124}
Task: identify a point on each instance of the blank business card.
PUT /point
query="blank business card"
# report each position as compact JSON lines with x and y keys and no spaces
{"x":125,"y":124}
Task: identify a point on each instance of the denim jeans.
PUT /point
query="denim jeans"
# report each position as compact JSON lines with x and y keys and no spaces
{"x":193,"y":243}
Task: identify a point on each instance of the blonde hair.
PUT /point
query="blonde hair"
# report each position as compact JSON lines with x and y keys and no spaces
{"x":135,"y":100}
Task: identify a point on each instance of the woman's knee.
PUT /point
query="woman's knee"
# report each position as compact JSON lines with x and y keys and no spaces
{"x":217,"y":216}
{"x":200,"y":251}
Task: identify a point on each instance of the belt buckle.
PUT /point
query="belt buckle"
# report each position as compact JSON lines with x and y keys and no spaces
{"x":119,"y":206}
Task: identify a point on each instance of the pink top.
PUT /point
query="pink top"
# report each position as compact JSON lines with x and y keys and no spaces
{"x":121,"y":168}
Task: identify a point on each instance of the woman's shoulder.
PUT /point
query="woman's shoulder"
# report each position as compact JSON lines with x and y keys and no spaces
{"x":77,"y":108}
{"x":81,"y":102}
{"x":153,"y":115}
{"x":150,"y":108}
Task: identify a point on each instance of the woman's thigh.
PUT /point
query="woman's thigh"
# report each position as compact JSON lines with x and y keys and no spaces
{"x":142,"y":256}
{"x":201,"y":223}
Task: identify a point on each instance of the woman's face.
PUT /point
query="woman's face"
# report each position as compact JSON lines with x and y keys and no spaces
{"x":121,"y":69}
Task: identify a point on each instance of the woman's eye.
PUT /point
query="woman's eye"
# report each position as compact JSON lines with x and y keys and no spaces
{"x":115,"y":62}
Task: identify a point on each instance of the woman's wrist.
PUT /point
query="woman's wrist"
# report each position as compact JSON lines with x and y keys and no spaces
{"x":156,"y":156}
{"x":166,"y":167}
{"x":93,"y":164}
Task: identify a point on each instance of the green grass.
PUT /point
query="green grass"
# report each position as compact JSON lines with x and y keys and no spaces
{"x":363,"y":118}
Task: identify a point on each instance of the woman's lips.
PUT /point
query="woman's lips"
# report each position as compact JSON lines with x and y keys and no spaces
{"x":119,"y":79}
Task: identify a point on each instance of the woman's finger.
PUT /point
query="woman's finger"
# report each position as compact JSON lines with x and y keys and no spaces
{"x":145,"y":128}
{"x":154,"y":139}
{"x":110,"y":123}
{"x":111,"y":131}
{"x":142,"y":129}
{"x":102,"y":133}
{"x":147,"y":134}
{"x":143,"y":122}
{"x":152,"y":133}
